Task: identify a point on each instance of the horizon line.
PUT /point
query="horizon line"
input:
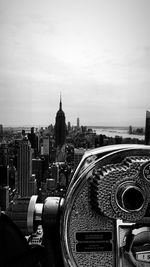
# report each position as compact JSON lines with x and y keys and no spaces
{"x":89,"y":126}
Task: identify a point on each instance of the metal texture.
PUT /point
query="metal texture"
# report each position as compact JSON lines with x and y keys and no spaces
{"x":77,"y":203}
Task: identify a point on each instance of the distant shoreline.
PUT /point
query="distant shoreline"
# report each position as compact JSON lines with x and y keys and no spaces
{"x":110,"y":131}
{"x":117,"y":131}
{"x":115,"y":127}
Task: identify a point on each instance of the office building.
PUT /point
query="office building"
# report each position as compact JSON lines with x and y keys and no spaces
{"x":4,"y":154}
{"x":147,"y":128}
{"x":32,"y":185}
{"x":60,"y":127}
{"x":17,"y":211}
{"x":69,"y":126}
{"x":1,"y":132}
{"x":78,"y":123}
{"x":12,"y":175}
{"x":46,"y":145}
{"x":4,"y":175}
{"x":24,"y":167}
{"x":78,"y":154}
{"x":4,"y":197}
{"x":55,"y":172}
{"x":38,"y":170}
{"x":33,"y":138}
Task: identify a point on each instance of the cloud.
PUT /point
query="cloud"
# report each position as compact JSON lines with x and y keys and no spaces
{"x":141,"y":59}
{"x":97,"y":54}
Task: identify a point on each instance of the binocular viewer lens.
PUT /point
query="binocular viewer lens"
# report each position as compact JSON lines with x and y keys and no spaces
{"x":130,"y":197}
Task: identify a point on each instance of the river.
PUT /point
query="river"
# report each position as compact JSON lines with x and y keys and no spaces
{"x":113,"y":131}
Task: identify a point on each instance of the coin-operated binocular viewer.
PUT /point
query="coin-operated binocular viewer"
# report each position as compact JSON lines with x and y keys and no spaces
{"x":105,"y":218}
{"x":104,"y":221}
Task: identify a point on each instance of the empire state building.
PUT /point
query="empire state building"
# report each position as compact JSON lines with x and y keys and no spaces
{"x":60,"y":127}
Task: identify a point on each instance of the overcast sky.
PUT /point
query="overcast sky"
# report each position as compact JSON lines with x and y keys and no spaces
{"x":95,"y":52}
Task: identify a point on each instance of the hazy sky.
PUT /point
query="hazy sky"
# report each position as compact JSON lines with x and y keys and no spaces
{"x":96,"y":52}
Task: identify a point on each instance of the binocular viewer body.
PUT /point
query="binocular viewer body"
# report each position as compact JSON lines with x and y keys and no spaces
{"x":104,"y":220}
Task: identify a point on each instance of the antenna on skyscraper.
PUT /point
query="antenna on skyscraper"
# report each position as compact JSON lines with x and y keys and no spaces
{"x":60,"y":106}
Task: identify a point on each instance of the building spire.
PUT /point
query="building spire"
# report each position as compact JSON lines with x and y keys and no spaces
{"x":60,"y":127}
{"x":60,"y":104}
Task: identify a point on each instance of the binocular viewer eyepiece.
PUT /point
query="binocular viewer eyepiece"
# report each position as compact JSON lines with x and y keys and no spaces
{"x":130,"y":197}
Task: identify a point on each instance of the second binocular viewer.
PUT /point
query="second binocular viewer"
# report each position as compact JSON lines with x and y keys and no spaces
{"x":104,"y":221}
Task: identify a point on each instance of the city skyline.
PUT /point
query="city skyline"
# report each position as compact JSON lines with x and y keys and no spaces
{"x":96,"y":53}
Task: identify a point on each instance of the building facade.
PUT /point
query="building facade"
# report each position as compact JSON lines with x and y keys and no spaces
{"x":24,"y":168}
{"x":60,"y":127}
{"x":147,"y":128}
{"x":1,"y":132}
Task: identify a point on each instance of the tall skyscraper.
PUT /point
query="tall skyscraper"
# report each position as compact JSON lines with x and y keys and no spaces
{"x":38,"y":170}
{"x":33,"y":140}
{"x":4,"y":154}
{"x":78,"y":123}
{"x":4,"y":187}
{"x":1,"y":132}
{"x":60,"y":127}
{"x":24,"y":167}
{"x":147,"y":128}
{"x":12,"y":175}
{"x":69,"y":126}
{"x":46,"y":145}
